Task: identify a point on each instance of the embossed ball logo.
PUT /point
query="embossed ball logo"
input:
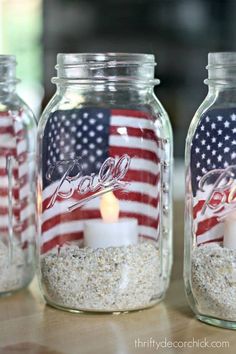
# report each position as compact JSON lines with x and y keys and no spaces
{"x":222,"y":191}
{"x":110,"y":177}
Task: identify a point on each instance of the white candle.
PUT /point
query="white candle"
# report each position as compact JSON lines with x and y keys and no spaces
{"x":109,"y":231}
{"x":230,"y":231}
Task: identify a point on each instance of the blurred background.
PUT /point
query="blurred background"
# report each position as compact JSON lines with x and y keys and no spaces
{"x":180,"y":33}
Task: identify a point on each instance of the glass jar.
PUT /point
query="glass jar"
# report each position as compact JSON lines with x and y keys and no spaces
{"x":18,"y":183}
{"x":105,"y":152}
{"x":210,"y":229}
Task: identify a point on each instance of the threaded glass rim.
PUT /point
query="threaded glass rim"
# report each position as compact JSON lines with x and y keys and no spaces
{"x":105,"y":67}
{"x":221,"y":59}
{"x":221,"y":69}
{"x":8,"y":69}
{"x":5,"y":58}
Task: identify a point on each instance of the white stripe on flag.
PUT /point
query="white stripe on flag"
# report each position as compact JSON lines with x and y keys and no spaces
{"x":7,"y":141}
{"x":133,"y":142}
{"x":5,"y":122}
{"x":62,"y":228}
{"x":122,"y":121}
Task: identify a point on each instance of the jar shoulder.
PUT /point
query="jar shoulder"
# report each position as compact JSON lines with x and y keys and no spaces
{"x":52,"y":106}
{"x":161,"y":115}
{"x":149,"y":104}
{"x":207,"y":104}
{"x":16,"y":105}
{"x":210,"y":103}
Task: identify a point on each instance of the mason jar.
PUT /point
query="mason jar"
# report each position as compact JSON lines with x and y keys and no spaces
{"x":105,"y":165}
{"x":210,"y":229}
{"x":17,"y":183}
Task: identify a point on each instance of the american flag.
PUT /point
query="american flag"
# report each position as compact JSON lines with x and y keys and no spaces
{"x":92,"y":135}
{"x":17,"y":175}
{"x":213,"y":147}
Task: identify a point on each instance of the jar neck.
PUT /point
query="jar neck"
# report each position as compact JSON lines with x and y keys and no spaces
{"x":6,"y":90}
{"x":221,"y":89}
{"x":101,"y":94}
{"x":8,"y":79}
{"x":221,"y":85}
{"x":225,"y":95}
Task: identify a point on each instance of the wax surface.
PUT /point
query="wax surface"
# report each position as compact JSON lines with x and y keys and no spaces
{"x":230,"y":234}
{"x":99,"y":234}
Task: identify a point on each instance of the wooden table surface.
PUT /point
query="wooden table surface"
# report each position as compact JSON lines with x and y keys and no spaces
{"x":28,"y":326}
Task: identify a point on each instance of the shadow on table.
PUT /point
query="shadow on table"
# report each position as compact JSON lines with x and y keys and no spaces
{"x":27,"y":348}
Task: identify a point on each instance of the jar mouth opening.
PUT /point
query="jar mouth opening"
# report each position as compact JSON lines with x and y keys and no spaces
{"x":72,"y":59}
{"x":7,"y":59}
{"x":219,"y":60}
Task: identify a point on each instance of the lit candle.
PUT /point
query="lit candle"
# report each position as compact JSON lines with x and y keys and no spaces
{"x":230,"y":231}
{"x":110,"y":231}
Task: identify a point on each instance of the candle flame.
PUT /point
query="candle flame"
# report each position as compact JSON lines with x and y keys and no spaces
{"x":109,"y":207}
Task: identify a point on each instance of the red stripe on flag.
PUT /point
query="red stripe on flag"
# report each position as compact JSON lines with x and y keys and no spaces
{"x":198,"y":207}
{"x":4,"y":192}
{"x":80,"y":215}
{"x":6,"y":130}
{"x":61,"y":239}
{"x":206,"y":225}
{"x":142,"y":176}
{"x":148,"y":134}
{"x":131,"y":113}
{"x":134,"y":152}
{"x":137,"y":197}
